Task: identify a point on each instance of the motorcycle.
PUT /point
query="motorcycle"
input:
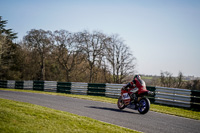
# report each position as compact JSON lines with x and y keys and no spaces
{"x":135,"y":100}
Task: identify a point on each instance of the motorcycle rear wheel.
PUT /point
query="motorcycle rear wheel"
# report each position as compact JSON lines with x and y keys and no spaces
{"x":144,"y":105}
{"x":120,"y":103}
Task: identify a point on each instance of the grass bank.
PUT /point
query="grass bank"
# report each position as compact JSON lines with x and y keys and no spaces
{"x":25,"y":117}
{"x":154,"y":107}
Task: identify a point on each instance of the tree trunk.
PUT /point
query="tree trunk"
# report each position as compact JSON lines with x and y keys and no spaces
{"x":43,"y":69}
{"x":67,"y":76}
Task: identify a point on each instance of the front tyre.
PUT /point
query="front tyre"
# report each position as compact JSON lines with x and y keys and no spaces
{"x":120,"y":103}
{"x":144,"y":105}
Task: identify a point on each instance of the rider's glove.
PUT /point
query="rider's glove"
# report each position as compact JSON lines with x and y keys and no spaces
{"x":124,"y":88}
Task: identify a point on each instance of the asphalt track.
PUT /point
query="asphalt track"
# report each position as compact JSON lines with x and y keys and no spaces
{"x":151,"y":122}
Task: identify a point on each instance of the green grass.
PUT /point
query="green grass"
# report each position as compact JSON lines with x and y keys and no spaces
{"x":154,"y":107}
{"x":176,"y":111}
{"x":144,"y":77}
{"x":25,"y":117}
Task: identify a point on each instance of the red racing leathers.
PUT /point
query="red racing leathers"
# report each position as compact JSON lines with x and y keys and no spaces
{"x":138,"y":85}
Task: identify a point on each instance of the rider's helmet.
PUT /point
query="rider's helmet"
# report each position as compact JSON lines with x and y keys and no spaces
{"x":136,"y":77}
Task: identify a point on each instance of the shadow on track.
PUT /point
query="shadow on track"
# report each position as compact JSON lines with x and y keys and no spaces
{"x":111,"y":109}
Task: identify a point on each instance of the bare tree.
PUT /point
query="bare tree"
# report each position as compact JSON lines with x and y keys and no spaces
{"x":167,"y":79}
{"x":69,"y":54}
{"x":120,"y":59}
{"x":40,"y":42}
{"x":93,"y":46}
{"x":179,"y":80}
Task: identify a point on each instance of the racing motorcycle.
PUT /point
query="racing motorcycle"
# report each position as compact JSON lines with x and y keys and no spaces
{"x":135,"y":99}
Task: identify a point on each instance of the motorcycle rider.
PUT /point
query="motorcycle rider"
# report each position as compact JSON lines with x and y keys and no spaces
{"x":136,"y":84}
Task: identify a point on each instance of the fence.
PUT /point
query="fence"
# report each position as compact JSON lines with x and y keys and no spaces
{"x":173,"y":96}
{"x":163,"y":95}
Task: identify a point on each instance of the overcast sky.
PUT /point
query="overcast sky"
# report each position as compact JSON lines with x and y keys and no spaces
{"x":164,"y":35}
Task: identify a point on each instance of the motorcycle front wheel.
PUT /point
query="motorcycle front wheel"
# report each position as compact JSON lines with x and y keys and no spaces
{"x":120,"y":103}
{"x":143,"y":105}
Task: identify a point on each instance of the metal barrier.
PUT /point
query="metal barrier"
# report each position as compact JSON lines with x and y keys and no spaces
{"x":113,"y":90}
{"x":195,"y":99}
{"x":163,"y":95}
{"x":96,"y":89}
{"x":28,"y":85}
{"x":38,"y":85}
{"x":173,"y":96}
{"x":50,"y":86}
{"x":3,"y":83}
{"x":19,"y":84}
{"x":64,"y":87}
{"x":79,"y":88}
{"x":11,"y":84}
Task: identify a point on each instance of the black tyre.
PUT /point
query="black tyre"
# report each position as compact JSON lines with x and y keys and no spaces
{"x":144,"y":105}
{"x":120,"y":103}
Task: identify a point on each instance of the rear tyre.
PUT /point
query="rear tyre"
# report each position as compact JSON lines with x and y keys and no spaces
{"x":120,"y":103}
{"x":144,"y":105}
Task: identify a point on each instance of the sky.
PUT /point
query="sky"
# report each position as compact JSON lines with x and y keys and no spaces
{"x":164,"y":35}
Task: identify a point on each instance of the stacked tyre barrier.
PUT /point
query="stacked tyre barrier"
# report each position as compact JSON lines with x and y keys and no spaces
{"x":162,"y":95}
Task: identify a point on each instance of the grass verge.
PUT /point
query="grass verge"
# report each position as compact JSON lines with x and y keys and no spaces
{"x":154,"y":107}
{"x":25,"y":117}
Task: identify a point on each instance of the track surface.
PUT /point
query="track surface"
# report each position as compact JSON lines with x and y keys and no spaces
{"x":151,"y":122}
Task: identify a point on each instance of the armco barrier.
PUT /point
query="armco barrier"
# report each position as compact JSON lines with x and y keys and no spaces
{"x":113,"y":90}
{"x":195,"y":99}
{"x":38,"y":85}
{"x":64,"y":87}
{"x":28,"y":85}
{"x":50,"y":86}
{"x":19,"y":84}
{"x":173,"y":96}
{"x":96,"y":89}
{"x":3,"y":83}
{"x":79,"y":88}
{"x":163,"y":95}
{"x":11,"y":84}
